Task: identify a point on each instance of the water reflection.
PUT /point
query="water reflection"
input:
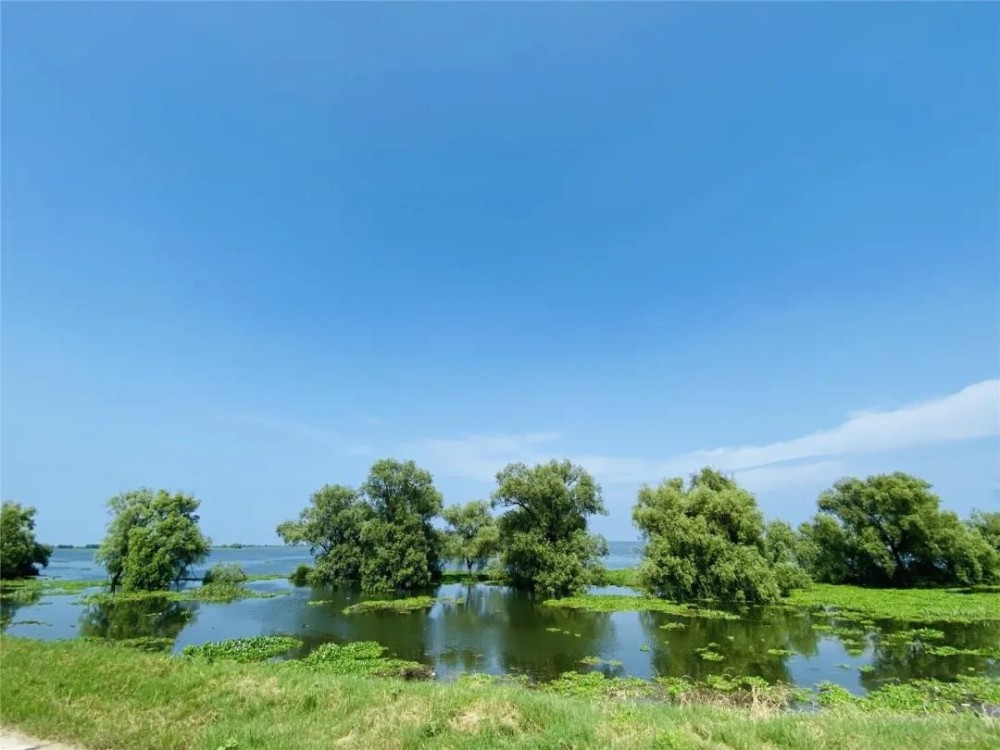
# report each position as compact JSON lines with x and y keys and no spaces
{"x":161,"y":618}
{"x":759,"y":643}
{"x":496,"y":630}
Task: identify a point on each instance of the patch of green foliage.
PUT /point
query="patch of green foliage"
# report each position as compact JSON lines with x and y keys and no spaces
{"x":889,"y":530}
{"x":619,"y":603}
{"x":20,"y":553}
{"x":627,"y":577}
{"x":246,"y":650}
{"x":779,"y":652}
{"x":229,"y":574}
{"x":908,"y":605}
{"x":152,"y":541}
{"x":212,"y":593}
{"x":673,"y":626}
{"x":409,"y":604}
{"x":380,"y":535}
{"x":365,"y":658}
{"x":707,"y":540}
{"x":930,"y":696}
{"x":545,"y":546}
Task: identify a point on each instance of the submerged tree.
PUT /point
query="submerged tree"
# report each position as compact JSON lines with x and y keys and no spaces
{"x":152,"y":541}
{"x":544,"y":543}
{"x":20,"y":552}
{"x":473,"y":536}
{"x":889,"y":530}
{"x":707,"y":541}
{"x":380,"y":535}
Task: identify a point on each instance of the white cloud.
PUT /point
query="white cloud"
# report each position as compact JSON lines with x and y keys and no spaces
{"x":336,"y":441}
{"x":973,"y":412}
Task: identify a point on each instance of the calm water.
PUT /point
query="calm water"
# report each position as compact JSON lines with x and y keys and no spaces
{"x":499,"y":631}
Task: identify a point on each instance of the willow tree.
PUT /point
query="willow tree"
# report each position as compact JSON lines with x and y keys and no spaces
{"x":472,"y":536}
{"x":544,"y":542}
{"x":706,"y":540}
{"x":380,"y":535}
{"x":890,"y":530}
{"x":20,"y":553}
{"x":153,"y":539}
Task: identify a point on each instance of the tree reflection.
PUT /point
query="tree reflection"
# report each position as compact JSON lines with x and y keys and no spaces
{"x":162,"y":618}
{"x":903,"y":658}
{"x":754,"y":645}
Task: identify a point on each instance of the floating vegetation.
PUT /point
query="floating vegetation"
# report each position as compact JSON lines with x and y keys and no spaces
{"x":595,"y":684}
{"x":361,"y":658}
{"x":866,"y":668}
{"x":930,"y":696}
{"x":596,"y":661}
{"x":409,"y":604}
{"x":320,"y":602}
{"x":708,"y":654}
{"x":257,"y":648}
{"x":553,"y":630}
{"x":673,"y":626}
{"x":621,"y":603}
{"x":779,"y":652}
{"x":910,"y":605}
{"x":30,"y":622}
{"x":990,"y":653}
{"x":644,"y":647}
{"x":212,"y":592}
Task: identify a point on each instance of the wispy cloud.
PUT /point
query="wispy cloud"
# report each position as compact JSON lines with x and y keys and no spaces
{"x":973,"y":412}
{"x":337,"y":442}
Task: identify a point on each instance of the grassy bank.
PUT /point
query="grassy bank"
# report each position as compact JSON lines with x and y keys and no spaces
{"x":103,"y":697}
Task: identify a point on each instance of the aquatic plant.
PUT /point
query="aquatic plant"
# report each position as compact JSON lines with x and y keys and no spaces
{"x":621,"y":603}
{"x":409,"y":604}
{"x":257,"y":648}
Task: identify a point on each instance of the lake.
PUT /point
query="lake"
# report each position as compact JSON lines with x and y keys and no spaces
{"x":495,"y":630}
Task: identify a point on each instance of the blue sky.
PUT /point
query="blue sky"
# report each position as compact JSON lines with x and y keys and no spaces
{"x":247,"y":250}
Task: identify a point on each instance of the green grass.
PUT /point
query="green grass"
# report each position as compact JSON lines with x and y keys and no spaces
{"x":618,"y":603}
{"x":116,"y":698}
{"x":910,"y":605}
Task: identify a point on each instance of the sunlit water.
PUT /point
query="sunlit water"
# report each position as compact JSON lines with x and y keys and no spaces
{"x":500,"y":631}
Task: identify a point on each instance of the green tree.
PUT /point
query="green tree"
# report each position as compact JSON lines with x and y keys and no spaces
{"x":889,"y":530}
{"x":380,"y":535}
{"x":20,"y":552}
{"x":331,"y":525}
{"x":782,"y":549}
{"x":988,"y":525}
{"x":544,"y":543}
{"x":152,"y":541}
{"x":472,"y":537}
{"x":707,"y":541}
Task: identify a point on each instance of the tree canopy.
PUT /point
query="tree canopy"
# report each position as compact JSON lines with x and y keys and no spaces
{"x":152,"y":540}
{"x":473,"y":536}
{"x":544,"y":543}
{"x":380,"y":535}
{"x":707,"y":540}
{"x":20,"y":552}
{"x":889,"y":530}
